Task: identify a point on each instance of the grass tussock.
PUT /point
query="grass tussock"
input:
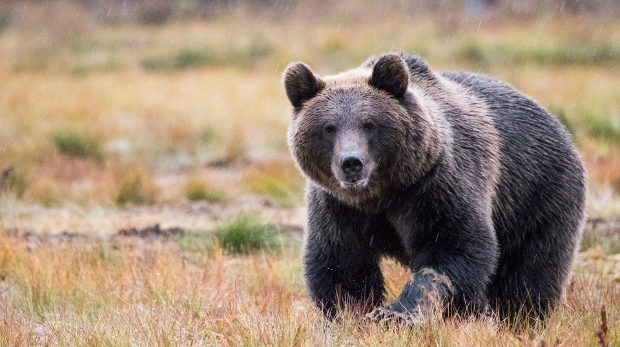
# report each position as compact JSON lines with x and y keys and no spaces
{"x":14,"y":180}
{"x":136,"y":187}
{"x":72,"y":143}
{"x":246,"y":234}
{"x":197,"y":189}
{"x":123,"y":292}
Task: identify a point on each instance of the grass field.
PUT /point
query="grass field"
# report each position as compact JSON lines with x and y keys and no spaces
{"x":187,"y":290}
{"x":108,"y":127}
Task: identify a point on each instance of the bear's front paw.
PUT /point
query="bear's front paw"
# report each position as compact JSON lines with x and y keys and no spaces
{"x":387,"y":315}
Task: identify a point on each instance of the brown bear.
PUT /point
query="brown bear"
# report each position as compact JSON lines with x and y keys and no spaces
{"x":461,"y":178}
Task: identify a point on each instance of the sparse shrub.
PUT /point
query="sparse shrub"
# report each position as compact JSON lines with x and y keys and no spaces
{"x":197,"y":189}
{"x":245,"y":235}
{"x":136,"y":188}
{"x":72,"y":143}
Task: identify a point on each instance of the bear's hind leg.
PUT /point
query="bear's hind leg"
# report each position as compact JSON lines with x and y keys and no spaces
{"x":529,"y":278}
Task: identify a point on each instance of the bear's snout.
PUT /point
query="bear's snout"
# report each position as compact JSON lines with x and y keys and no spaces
{"x":351,"y":164}
{"x":352,"y":170}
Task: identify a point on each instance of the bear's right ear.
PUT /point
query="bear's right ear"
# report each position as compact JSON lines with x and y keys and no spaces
{"x":301,"y":84}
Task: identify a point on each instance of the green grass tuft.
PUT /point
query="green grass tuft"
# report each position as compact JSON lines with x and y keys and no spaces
{"x":136,"y":189}
{"x":14,"y":180}
{"x":72,"y":143}
{"x":197,"y":190}
{"x":246,"y":234}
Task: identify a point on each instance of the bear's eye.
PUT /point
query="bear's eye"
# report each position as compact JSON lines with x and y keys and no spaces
{"x":369,"y":126}
{"x":330,"y":129}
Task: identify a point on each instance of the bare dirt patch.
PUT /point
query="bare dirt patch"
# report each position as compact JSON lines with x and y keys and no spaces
{"x":108,"y":221}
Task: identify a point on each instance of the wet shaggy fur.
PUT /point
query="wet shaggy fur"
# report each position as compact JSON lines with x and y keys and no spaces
{"x":466,"y":181}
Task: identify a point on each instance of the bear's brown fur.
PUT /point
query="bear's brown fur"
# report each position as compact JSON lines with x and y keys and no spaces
{"x":456,"y":175}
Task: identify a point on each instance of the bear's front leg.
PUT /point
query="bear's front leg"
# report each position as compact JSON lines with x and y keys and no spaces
{"x":340,"y":266}
{"x":452,"y":257}
{"x":420,"y":298}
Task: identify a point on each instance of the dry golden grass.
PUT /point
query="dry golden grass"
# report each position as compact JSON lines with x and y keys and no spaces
{"x":130,"y":292}
{"x":220,"y":101}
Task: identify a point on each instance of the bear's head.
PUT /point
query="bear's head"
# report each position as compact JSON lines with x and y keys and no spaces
{"x":364,"y":134}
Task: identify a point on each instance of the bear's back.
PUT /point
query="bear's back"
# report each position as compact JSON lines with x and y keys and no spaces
{"x":540,"y":176}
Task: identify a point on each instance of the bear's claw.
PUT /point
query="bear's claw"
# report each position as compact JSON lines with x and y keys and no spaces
{"x":386,"y":315}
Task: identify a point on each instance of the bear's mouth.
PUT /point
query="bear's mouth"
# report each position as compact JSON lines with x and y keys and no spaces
{"x":354,"y":184}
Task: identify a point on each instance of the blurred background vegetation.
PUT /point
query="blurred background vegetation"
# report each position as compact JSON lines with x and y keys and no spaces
{"x":116,"y":102}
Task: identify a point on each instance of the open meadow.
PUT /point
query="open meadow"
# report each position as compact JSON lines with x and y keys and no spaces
{"x":147,"y":196}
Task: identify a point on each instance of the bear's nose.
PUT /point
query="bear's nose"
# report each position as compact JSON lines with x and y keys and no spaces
{"x":351,"y":164}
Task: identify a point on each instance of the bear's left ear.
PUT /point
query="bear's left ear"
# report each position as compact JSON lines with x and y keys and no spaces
{"x":391,"y":75}
{"x":300,"y":84}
